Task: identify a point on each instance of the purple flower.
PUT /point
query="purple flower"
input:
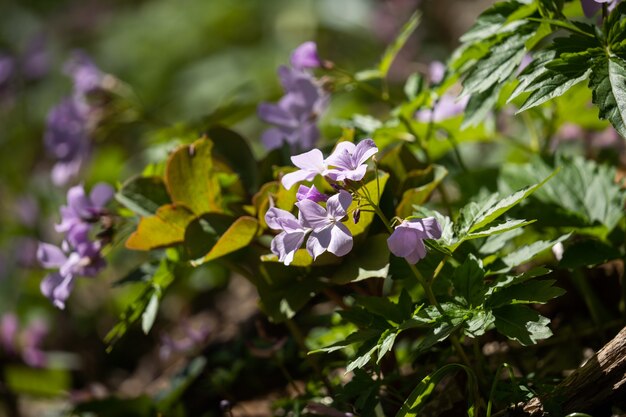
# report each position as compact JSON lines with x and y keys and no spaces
{"x":305,"y":56}
{"x":407,"y":240}
{"x":293,"y":231}
{"x":82,"y":208}
{"x":328,"y":233}
{"x":67,"y":139}
{"x":313,"y":194}
{"x":84,"y":260}
{"x":350,"y":160}
{"x":296,"y":113}
{"x":86,"y":75}
{"x":311,"y":164}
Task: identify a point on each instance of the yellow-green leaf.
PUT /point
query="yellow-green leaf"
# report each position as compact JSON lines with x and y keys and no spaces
{"x":165,"y":228}
{"x":237,"y":236}
{"x":190,"y":178}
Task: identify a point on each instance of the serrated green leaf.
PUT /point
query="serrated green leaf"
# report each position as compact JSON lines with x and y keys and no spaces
{"x":359,"y":336}
{"x":395,"y":47}
{"x":518,"y":322}
{"x":498,"y":66}
{"x":496,"y":242}
{"x":500,"y":228}
{"x":583,"y":189}
{"x":550,"y":85}
{"x":524,"y":254}
{"x":536,"y":291}
{"x":419,"y":195}
{"x":608,"y":83}
{"x":479,"y":105}
{"x":488,"y":214}
{"x":363,"y":359}
{"x":588,"y":253}
{"x":385,"y":343}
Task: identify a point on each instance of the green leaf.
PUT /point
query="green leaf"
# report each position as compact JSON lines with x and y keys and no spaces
{"x":468,"y":282}
{"x":608,"y":82}
{"x":494,"y":20}
{"x":359,"y":336}
{"x":143,"y":195}
{"x":190,"y":179}
{"x":500,"y":228}
{"x":588,"y":253}
{"x":496,"y":242}
{"x":416,"y":401}
{"x":383,"y":307}
{"x":395,"y":47}
{"x":39,"y":382}
{"x":498,"y":66}
{"x":413,"y":86}
{"x":536,"y":291}
{"x":518,"y":322}
{"x":479,"y":106}
{"x":583,"y":189}
{"x":488,"y":214}
{"x":150,"y":313}
{"x":235,"y":151}
{"x":162,"y":279}
{"x":365,"y":356}
{"x":165,"y":228}
{"x":385,"y":343}
{"x":419,"y":195}
{"x":551,"y":85}
{"x":369,"y":260}
{"x":238,"y":235}
{"x":524,"y":254}
{"x":479,"y":323}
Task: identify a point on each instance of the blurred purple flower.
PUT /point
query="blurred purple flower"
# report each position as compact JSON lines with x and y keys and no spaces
{"x":27,"y":210}
{"x":8,"y":332}
{"x":447,"y":106}
{"x":32,"y":339}
{"x":26,"y":251}
{"x":305,"y":56}
{"x":7,"y":69}
{"x":350,"y":160}
{"x":311,"y":164}
{"x":296,"y":113}
{"x":83,"y":260}
{"x":313,"y":194}
{"x":86,"y":75}
{"x":407,"y":240}
{"x":67,"y":139}
{"x":436,"y":72}
{"x":192,"y":338}
{"x":35,"y":61}
{"x":285,"y":244}
{"x":328,"y":233}
{"x":82,"y":208}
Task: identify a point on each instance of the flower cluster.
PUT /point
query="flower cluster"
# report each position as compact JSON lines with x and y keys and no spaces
{"x":78,"y":255}
{"x":70,"y":122}
{"x":321,"y":226}
{"x":296,"y":114}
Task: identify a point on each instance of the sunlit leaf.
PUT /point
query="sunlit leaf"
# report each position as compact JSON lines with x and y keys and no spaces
{"x":165,"y":228}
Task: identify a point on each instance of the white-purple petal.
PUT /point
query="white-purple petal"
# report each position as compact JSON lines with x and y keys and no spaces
{"x":305,"y":56}
{"x":50,"y":256}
